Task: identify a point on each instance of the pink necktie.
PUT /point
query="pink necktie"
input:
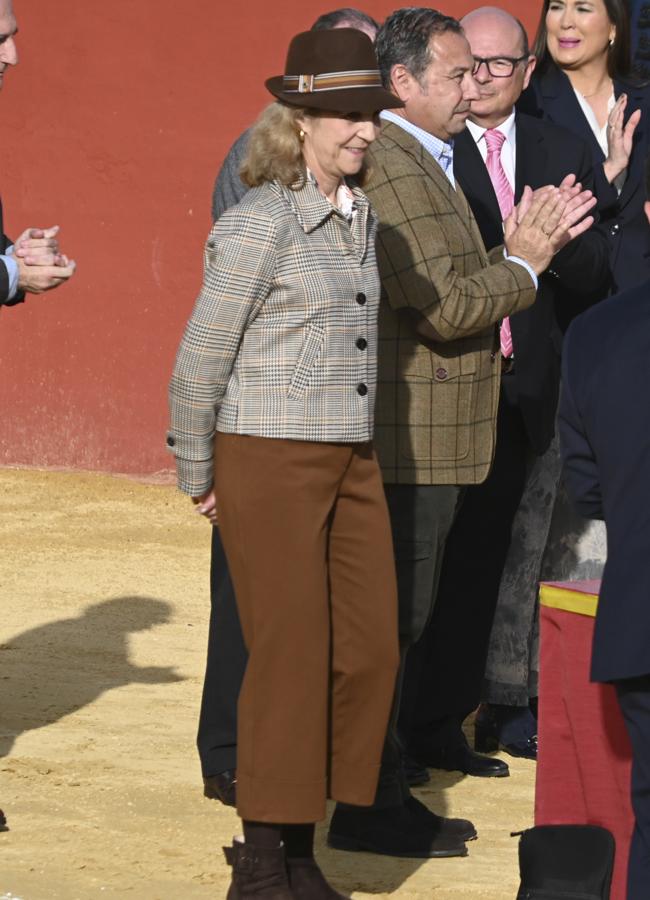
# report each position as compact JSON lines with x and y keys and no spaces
{"x":505,"y":198}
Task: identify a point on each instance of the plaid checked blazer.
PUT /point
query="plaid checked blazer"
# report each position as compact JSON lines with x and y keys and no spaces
{"x":282,"y":340}
{"x":435,"y":417}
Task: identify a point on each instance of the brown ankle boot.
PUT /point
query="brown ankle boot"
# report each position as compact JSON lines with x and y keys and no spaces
{"x":257,"y":872}
{"x":308,"y":882}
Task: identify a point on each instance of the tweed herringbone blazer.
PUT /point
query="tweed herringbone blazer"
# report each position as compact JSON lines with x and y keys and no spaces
{"x":435,"y":416}
{"x":282,"y":342}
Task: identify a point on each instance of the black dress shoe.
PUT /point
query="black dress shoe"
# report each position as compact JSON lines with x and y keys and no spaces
{"x":463,"y":759}
{"x":414,"y":773}
{"x":459,"y":828}
{"x":509,"y":728}
{"x":221,"y":787}
{"x":394,"y":831}
{"x":3,"y":822}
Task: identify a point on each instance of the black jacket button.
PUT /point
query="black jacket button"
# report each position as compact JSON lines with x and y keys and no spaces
{"x":362,"y":343}
{"x":614,"y":230}
{"x":361,"y":299}
{"x":362,"y":389}
{"x":171,"y":440}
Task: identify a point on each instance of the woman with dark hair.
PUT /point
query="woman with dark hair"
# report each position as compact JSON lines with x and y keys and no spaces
{"x":275,"y":377}
{"x":584,"y":83}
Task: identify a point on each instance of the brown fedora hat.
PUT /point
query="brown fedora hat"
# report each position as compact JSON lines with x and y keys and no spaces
{"x":335,"y":70}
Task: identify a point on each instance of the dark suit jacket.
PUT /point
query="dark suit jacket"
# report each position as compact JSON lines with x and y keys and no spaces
{"x":605,"y":436}
{"x":550,"y":96}
{"x":579,"y":273}
{"x":4,"y":276}
{"x":229,"y":189}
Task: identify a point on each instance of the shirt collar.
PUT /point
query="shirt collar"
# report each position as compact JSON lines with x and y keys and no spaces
{"x":441,"y":151}
{"x":346,"y":201}
{"x":311,"y":208}
{"x":507,"y":128}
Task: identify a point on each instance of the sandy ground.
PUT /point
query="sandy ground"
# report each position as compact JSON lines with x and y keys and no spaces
{"x":104,"y":600}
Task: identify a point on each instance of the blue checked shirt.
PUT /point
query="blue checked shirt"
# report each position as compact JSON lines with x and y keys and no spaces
{"x":442,"y":152}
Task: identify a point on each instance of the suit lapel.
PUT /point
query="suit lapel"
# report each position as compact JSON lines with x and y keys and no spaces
{"x":562,"y":107}
{"x":414,"y":148}
{"x":530,"y":156}
{"x":472,"y":175}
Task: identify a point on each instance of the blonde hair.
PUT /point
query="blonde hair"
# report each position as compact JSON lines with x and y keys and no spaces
{"x":275,"y":148}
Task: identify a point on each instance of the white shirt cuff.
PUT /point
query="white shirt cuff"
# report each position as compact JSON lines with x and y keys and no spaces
{"x":12,"y":271}
{"x":522,"y":262}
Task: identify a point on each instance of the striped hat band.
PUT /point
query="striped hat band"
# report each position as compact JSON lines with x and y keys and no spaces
{"x":331,"y":81}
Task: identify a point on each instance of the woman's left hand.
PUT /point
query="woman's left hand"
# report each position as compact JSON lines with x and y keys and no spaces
{"x":619,"y":139}
{"x":206,"y":504}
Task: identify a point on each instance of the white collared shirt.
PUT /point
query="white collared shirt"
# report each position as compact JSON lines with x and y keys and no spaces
{"x":600,"y":133}
{"x":508,"y":148}
{"x":508,"y":158}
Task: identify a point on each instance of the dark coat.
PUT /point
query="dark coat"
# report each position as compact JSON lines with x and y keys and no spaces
{"x":551,"y":97}
{"x":605,"y":437}
{"x":579,"y":273}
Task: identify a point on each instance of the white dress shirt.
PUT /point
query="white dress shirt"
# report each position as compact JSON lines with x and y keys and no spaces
{"x":508,"y":157}
{"x":600,"y":133}
{"x":508,"y":148}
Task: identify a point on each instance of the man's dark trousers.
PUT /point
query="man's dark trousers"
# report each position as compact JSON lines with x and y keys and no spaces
{"x":421,"y":517}
{"x":634,"y":700}
{"x":226,"y":663}
{"x":444,"y":671}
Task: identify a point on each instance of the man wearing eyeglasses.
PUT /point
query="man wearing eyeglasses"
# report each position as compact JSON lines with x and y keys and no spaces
{"x":499,"y":153}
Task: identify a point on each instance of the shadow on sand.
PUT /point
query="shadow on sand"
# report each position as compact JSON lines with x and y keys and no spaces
{"x":53,"y":670}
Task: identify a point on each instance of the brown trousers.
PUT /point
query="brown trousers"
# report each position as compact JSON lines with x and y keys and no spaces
{"x":307,"y":536}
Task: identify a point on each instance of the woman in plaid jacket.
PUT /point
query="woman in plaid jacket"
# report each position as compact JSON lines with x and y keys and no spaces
{"x":275,"y":380}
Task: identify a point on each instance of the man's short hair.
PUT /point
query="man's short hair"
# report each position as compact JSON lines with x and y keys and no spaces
{"x":348,"y":16}
{"x":404,"y":38}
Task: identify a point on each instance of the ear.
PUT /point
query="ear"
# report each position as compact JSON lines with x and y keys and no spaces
{"x":401,"y":81}
{"x":303,"y":123}
{"x":530,"y":68}
{"x":646,"y":209}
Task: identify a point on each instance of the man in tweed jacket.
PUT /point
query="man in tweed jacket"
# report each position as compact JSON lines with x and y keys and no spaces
{"x":439,"y":360}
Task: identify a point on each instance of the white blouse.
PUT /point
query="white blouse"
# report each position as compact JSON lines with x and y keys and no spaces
{"x":601,"y":133}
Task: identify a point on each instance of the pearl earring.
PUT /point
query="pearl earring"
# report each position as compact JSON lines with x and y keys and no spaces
{"x":301,"y":136}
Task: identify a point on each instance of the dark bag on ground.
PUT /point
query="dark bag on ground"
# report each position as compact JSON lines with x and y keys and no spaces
{"x":566,"y":862}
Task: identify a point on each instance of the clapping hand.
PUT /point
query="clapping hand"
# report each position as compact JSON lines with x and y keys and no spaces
{"x":41,"y":265}
{"x":546,"y":220}
{"x":619,"y":138}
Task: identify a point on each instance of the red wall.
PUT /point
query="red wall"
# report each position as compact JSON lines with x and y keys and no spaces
{"x":115,"y":123}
